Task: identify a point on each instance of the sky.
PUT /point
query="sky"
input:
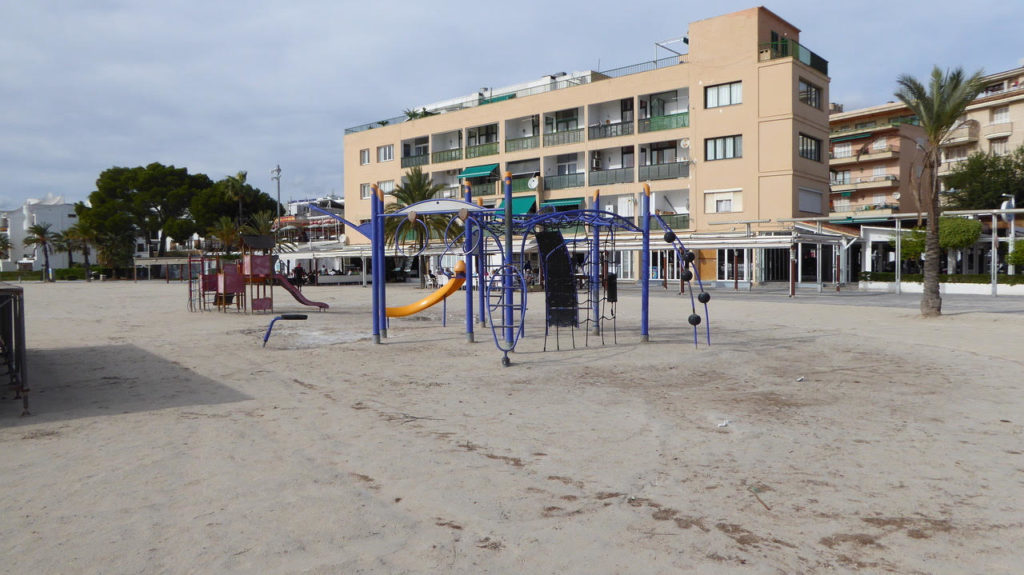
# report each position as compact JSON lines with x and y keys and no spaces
{"x":227,"y":86}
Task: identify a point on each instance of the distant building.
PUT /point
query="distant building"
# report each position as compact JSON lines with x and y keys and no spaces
{"x":15,"y":223}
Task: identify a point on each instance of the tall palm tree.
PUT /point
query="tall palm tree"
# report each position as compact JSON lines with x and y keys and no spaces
{"x":226,"y":232}
{"x":938,"y":107}
{"x":236,"y":191}
{"x":40,"y":236}
{"x":416,"y":187}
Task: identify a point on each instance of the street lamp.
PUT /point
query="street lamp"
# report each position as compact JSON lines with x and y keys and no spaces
{"x":275,"y":174}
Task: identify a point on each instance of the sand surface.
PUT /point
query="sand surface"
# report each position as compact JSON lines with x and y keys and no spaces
{"x":808,"y":438}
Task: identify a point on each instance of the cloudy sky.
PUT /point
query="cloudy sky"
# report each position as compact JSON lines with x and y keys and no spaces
{"x":219,"y":87}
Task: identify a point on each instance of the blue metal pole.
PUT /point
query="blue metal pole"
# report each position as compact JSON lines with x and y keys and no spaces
{"x":382,"y":274}
{"x":645,"y":263}
{"x":375,"y":265}
{"x":595,"y":268}
{"x":469,"y":267}
{"x":507,"y":275}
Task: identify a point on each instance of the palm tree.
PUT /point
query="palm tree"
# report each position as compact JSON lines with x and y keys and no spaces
{"x":938,"y":107}
{"x":236,"y":191}
{"x":63,"y":244}
{"x":226,"y":232}
{"x":5,"y":246}
{"x":415,"y":188}
{"x":262,"y":224}
{"x":40,"y":236}
{"x":80,"y":235}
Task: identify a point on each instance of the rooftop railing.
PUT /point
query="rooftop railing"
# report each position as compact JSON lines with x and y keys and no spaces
{"x":790,"y":48}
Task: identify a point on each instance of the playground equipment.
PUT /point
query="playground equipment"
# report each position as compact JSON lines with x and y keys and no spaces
{"x":573,"y":246}
{"x":286,"y":316}
{"x":216,"y":284}
{"x":440,"y":295}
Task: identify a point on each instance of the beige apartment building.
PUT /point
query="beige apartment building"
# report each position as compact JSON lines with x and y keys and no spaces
{"x":875,"y":161}
{"x":731,"y":136}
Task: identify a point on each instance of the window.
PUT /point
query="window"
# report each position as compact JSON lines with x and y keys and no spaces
{"x":864,"y":125}
{"x":841,"y":178}
{"x":386,"y":186}
{"x":562,"y":121}
{"x":843,"y":150}
{"x":566,"y":164}
{"x":810,"y":148}
{"x":723,"y":148}
{"x":365,"y":191}
{"x":723,"y":95}
{"x":810,"y":94}
{"x":364,"y":157}
{"x":879,"y":145}
{"x":386,"y":153}
{"x":999,"y":146}
{"x":1001,"y":115}
{"x":810,"y":201}
{"x":878,"y":173}
{"x":723,"y":201}
{"x":956,"y":153}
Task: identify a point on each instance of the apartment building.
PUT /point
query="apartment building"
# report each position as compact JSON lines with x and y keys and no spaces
{"x":731,"y":133}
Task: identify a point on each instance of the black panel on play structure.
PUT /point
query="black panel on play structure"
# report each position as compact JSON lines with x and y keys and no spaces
{"x":559,"y":281}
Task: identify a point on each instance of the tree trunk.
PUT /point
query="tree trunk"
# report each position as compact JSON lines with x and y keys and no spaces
{"x":46,"y":264}
{"x":931,"y":301}
{"x":423,"y":272}
{"x":88,"y":270}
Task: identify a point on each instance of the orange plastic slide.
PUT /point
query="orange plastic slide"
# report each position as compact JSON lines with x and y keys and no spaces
{"x":443,"y":292}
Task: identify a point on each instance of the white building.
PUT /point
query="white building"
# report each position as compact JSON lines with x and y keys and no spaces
{"x":15,"y":223}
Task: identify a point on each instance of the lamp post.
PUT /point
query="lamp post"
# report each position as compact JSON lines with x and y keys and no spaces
{"x":275,"y":174}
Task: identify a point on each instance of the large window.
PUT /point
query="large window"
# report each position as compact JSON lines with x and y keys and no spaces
{"x":723,"y":95}
{"x":1001,"y":115}
{"x":841,"y":178}
{"x":810,"y":148}
{"x":723,"y":201}
{"x":364,"y":157}
{"x":386,"y":153}
{"x":723,"y":148}
{"x":810,"y":94}
{"x":999,"y":146}
{"x":386,"y":186}
{"x":843,"y":150}
{"x":567,"y":164}
{"x":365,"y":191}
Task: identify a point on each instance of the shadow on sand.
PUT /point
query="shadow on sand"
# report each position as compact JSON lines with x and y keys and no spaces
{"x":71,"y":383}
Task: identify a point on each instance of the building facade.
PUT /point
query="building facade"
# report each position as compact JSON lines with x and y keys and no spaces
{"x":15,"y":223}
{"x":735,"y":130}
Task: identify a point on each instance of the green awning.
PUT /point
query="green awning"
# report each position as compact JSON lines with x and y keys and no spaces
{"x":478,"y":171}
{"x":853,"y":137}
{"x":575,"y":202}
{"x":520,"y":205}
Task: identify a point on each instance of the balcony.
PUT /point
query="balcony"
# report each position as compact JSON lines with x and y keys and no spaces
{"x":788,"y":48}
{"x":850,"y":210}
{"x":520,"y":144}
{"x":865,"y":183}
{"x":997,"y":130}
{"x":886,"y":153}
{"x":411,"y":161}
{"x":446,"y":156}
{"x":563,"y":138}
{"x":665,"y":171}
{"x":966,"y":133}
{"x":674,"y":221}
{"x":608,"y":177}
{"x":565,"y":181}
{"x":481,"y":150}
{"x":670,"y":122}
{"x":949,"y":165}
{"x":611,"y":130}
{"x":521,"y":185}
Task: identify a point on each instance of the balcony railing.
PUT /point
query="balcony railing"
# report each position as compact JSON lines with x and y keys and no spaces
{"x":410,"y":161}
{"x":481,"y":150}
{"x":486,"y":188}
{"x":520,"y":144}
{"x":446,"y":155}
{"x":565,"y":181}
{"x":608,"y":177}
{"x":562,"y":138}
{"x":965,"y":133}
{"x":670,"y":122}
{"x":611,"y":130}
{"x":842,"y":208}
{"x":674,"y":221}
{"x":995,"y":130}
{"x":665,"y":171}
{"x":521,"y":185}
{"x":787,"y":48}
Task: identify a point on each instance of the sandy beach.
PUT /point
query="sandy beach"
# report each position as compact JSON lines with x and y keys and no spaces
{"x":810,"y":437}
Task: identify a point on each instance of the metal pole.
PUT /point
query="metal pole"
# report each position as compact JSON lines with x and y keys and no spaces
{"x":375,"y":265}
{"x":469,"y":266}
{"x":645,"y":262}
{"x":595,"y":270}
{"x":792,"y":270}
{"x":994,"y":259}
{"x":506,"y":274}
{"x":899,"y":257}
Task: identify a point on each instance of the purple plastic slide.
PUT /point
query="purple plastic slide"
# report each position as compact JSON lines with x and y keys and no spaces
{"x":297,"y":294}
